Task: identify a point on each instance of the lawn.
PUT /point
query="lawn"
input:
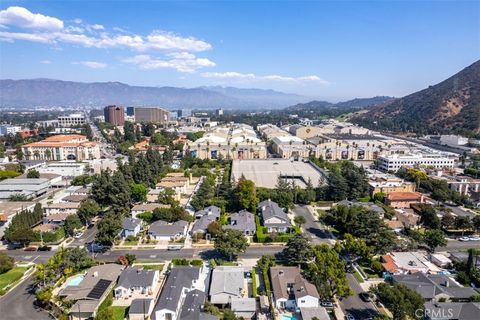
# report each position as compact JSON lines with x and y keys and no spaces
{"x":10,"y":277}
{"x":119,"y":312}
{"x":158,"y":267}
{"x":358,"y":277}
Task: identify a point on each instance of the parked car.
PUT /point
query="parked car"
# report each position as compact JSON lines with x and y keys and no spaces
{"x":327,"y":304}
{"x":474,"y":238}
{"x":78,"y":235}
{"x":96,"y":247}
{"x":349,"y":317}
{"x":30,"y":249}
{"x":464,"y":239}
{"x":44,"y":248}
{"x":365,"y":296}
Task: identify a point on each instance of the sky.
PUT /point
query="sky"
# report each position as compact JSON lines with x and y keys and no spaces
{"x":333,"y":50}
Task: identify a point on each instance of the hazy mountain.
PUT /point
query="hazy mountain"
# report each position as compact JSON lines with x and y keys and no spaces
{"x":451,"y":105}
{"x":364,"y":102}
{"x":47,"y":92}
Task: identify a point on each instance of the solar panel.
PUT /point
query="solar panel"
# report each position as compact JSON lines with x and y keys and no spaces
{"x":99,"y":289}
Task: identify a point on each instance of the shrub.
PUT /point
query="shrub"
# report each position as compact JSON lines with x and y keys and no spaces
{"x":6,"y":262}
{"x":196,"y":262}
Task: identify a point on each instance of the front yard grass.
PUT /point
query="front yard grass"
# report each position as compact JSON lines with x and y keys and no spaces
{"x":9,"y":278}
{"x":358,"y":277}
{"x":119,"y":312}
{"x":158,"y":267}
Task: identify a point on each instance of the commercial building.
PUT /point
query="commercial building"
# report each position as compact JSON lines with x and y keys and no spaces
{"x":6,"y":129}
{"x":156,"y":115}
{"x":292,"y":147}
{"x":235,"y":141}
{"x":270,"y":131}
{"x":114,"y":115}
{"x":71,"y":120}
{"x":453,"y":140}
{"x":219,"y":112}
{"x":387,"y":183}
{"x":397,"y":161}
{"x":30,"y":188}
{"x":62,"y":147}
{"x":265,"y":173}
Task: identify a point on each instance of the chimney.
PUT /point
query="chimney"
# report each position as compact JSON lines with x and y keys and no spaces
{"x":446,"y":283}
{"x":95,"y":274}
{"x":280,"y":273}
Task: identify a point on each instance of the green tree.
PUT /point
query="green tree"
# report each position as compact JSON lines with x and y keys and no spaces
{"x":337,"y":187}
{"x":434,"y":238}
{"x":131,"y":258}
{"x":463,"y":223}
{"x":298,"y":250}
{"x":72,"y":223}
{"x":448,"y":220}
{"x":327,"y":273}
{"x":139,"y":192}
{"x":76,"y":259}
{"x":108,"y":229}
{"x":356,"y":247}
{"x":214,"y":228}
{"x":247,"y":194}
{"x":6,"y":262}
{"x":167,"y":196}
{"x":403,"y":302}
{"x":299,"y":220}
{"x":33,"y":174}
{"x":230,"y":243}
{"x":88,"y":209}
{"x":476,"y":223}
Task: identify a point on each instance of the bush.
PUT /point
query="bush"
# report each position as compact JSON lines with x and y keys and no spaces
{"x":376,"y":266}
{"x":196,"y":263}
{"x":49,"y":237}
{"x":180,"y":262}
{"x":6,"y":262}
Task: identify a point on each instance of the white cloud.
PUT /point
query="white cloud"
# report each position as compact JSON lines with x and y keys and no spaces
{"x":92,"y":64}
{"x":23,"y":18}
{"x":251,"y":76}
{"x":77,"y":20}
{"x":45,"y":61}
{"x":97,"y":27}
{"x":181,"y":62}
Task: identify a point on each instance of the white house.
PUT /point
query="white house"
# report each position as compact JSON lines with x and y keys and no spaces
{"x":136,"y":281}
{"x":130,"y":227}
{"x":162,"y":230}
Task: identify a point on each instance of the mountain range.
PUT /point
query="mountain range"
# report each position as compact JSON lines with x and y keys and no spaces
{"x":48,"y":92}
{"x":452,"y":105}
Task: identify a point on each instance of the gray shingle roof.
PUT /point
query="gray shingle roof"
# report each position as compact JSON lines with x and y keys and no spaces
{"x":162,"y":228}
{"x":270,"y":209}
{"x":140,"y":306}
{"x":136,"y":277}
{"x":228,"y":280}
{"x":192,"y":307}
{"x":431,"y":285}
{"x":207,"y":216}
{"x":242,"y":221}
{"x":178,"y":279}
{"x":131,"y":223}
{"x":454,"y":310}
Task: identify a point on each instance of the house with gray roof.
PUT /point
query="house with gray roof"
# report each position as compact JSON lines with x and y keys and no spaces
{"x":180,"y":281}
{"x":291,"y":290}
{"x":435,"y":287}
{"x":227,"y":282}
{"x":162,"y":230}
{"x":274,"y":218}
{"x":242,"y":221}
{"x":90,"y":291}
{"x":452,"y":310}
{"x":193,"y":305}
{"x":140,"y":309}
{"x":369,"y":205}
{"x":244,"y":307}
{"x":130,"y":227}
{"x":134,"y":280}
{"x":204,"y":218}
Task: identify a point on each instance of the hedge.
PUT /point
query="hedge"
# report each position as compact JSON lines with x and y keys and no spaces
{"x":254,"y":282}
{"x":49,"y":237}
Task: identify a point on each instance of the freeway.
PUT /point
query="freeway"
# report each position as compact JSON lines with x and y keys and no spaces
{"x":354,"y":305}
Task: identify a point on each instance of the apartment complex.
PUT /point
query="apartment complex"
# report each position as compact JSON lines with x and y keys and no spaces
{"x":397,"y":161}
{"x":62,"y":147}
{"x":114,"y":115}
{"x":6,"y":129}
{"x":387,"y":183}
{"x":71,"y":120}
{"x":236,"y":141}
{"x":157,"y":115}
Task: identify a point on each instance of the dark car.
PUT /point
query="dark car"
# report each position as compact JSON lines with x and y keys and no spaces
{"x":44,"y":248}
{"x":365,"y":296}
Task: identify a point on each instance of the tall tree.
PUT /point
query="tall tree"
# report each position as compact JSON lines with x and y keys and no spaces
{"x":230,"y":243}
{"x":298,"y":250}
{"x":434,"y":238}
{"x":247,"y":194}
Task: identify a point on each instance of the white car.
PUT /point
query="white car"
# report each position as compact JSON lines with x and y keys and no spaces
{"x":78,"y":235}
{"x":474,"y":238}
{"x":464,"y":239}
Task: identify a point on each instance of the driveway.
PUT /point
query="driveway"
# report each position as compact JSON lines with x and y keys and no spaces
{"x":18,"y":304}
{"x":354,"y":304}
{"x":313,"y":229}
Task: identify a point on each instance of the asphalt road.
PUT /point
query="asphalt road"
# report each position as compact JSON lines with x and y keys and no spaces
{"x":87,"y":236}
{"x":354,"y":305}
{"x":18,"y":304}
{"x":314,"y":230}
{"x":151,"y":254}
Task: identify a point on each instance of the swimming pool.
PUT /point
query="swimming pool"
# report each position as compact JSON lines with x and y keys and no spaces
{"x":75,"y":281}
{"x":285,"y":317}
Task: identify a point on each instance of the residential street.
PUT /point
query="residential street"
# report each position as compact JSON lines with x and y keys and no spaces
{"x":18,"y":304}
{"x":314,"y":230}
{"x":354,"y":304}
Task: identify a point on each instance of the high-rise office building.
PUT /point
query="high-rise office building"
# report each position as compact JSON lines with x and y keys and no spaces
{"x":114,"y":115}
{"x":157,"y":115}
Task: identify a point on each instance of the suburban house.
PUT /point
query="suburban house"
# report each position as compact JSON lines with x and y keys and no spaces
{"x":152,"y":195}
{"x":400,"y":200}
{"x":180,"y":282}
{"x":244,"y":307}
{"x":407,"y":262}
{"x":227,"y":283}
{"x":273,"y":217}
{"x":136,"y":282}
{"x":89,"y":292}
{"x":204,"y":218}
{"x":242,"y":221}
{"x":319,"y":313}
{"x":368,"y":205}
{"x":193,"y":306}
{"x":140,"y":309}
{"x":62,"y":207}
{"x":130,"y":227}
{"x":141,"y":208}
{"x":435,"y":287}
{"x":407,"y":217}
{"x":452,"y":310}
{"x":57,"y":218}
{"x":291,"y":290}
{"x":162,"y":230}
{"x":74,"y":198}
